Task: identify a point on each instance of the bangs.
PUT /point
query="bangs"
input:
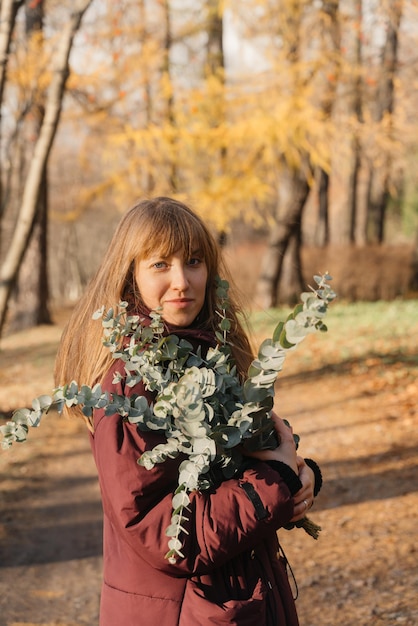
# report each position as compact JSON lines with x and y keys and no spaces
{"x":169,"y":232}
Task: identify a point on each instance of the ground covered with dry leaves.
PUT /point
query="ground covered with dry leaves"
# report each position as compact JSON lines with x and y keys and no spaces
{"x":353,"y":399}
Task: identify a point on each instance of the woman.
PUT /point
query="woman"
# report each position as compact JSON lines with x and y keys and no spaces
{"x":163,"y":256}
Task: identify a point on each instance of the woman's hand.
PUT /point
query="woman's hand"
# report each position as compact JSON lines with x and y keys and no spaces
{"x":285,"y":451}
{"x":304,"y":497}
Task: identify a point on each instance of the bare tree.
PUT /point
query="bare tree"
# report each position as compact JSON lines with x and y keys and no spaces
{"x":215,"y":67}
{"x":30,"y":300}
{"x":331,"y":42}
{"x":214,"y":50}
{"x":285,"y":234}
{"x":293,"y":189}
{"x":166,"y":69}
{"x":413,"y":282}
{"x":8,"y":12}
{"x":379,"y":180}
{"x":29,"y":204}
{"x":357,"y":111}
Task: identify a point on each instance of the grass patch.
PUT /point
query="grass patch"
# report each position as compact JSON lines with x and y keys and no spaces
{"x":356,"y":331}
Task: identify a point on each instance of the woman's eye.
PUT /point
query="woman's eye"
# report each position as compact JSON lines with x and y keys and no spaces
{"x":159,"y":265}
{"x":194,"y":261}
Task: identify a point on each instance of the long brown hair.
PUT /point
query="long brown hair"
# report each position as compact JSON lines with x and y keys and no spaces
{"x":163,"y":226}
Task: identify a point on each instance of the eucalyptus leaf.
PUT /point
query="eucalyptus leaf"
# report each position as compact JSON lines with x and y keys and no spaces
{"x":173,"y":529}
{"x":42,"y":403}
{"x":175,"y":545}
{"x":227,"y":436}
{"x":21,"y":416}
{"x":253,"y":394}
{"x":180,"y":500}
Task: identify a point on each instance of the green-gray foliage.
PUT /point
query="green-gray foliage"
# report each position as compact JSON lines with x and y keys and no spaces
{"x":200,"y":404}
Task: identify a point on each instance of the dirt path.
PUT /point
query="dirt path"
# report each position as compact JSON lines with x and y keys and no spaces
{"x":358,"y":419}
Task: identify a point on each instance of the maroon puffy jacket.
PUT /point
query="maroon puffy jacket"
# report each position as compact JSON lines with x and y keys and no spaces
{"x":231,"y":573}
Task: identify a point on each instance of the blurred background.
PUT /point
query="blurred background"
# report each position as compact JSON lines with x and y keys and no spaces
{"x":290,"y":125}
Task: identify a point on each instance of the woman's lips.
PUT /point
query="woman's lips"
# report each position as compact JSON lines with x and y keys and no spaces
{"x":180,"y":302}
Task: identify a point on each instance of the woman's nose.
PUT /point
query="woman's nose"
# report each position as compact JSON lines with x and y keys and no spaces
{"x":179,"y":277}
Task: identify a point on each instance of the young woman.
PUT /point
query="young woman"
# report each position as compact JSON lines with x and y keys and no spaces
{"x":162,"y":255}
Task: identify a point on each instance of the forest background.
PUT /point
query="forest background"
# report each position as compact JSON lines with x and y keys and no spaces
{"x":290,"y":125}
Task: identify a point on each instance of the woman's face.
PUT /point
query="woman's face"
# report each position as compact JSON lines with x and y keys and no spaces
{"x":175,"y":284}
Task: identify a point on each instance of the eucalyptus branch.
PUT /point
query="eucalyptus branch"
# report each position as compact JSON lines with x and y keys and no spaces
{"x":221,"y":311}
{"x":306,"y":318}
{"x":200,"y":404}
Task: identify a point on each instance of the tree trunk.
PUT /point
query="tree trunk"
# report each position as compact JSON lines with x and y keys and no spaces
{"x":292,"y":281}
{"x":31,"y":192}
{"x":353,"y":185}
{"x":30,"y":302}
{"x":331,"y":49}
{"x":215,"y":67}
{"x":293,"y":187}
{"x":380,"y":176}
{"x":29,"y":306}
{"x":8,"y":12}
{"x":377,"y":200}
{"x":293,"y":193}
{"x":356,"y":143}
{"x":322,"y":225}
{"x":215,"y":53}
{"x":168,"y":42}
{"x":149,"y":177}
{"x":413,"y":283}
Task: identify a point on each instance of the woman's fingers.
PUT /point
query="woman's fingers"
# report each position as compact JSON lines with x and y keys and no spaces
{"x":304,"y":498}
{"x":284,"y":431}
{"x":301,"y":509}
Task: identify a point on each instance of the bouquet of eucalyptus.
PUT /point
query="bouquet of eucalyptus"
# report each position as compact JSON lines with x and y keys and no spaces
{"x":206,"y":414}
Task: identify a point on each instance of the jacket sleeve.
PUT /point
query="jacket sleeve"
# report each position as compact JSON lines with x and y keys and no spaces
{"x":222,"y":522}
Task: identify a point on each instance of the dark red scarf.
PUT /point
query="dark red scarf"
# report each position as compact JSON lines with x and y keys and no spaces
{"x":192,"y":333}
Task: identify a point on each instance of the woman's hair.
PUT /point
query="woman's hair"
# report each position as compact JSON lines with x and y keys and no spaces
{"x":158,"y":226}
